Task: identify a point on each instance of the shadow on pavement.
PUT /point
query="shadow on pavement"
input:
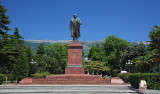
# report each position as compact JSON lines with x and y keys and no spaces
{"x":133,"y":89}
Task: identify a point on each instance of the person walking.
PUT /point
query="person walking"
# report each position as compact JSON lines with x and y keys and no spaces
{"x":142,"y":86}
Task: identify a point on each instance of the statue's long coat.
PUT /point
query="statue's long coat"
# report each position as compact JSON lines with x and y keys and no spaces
{"x":75,"y":27}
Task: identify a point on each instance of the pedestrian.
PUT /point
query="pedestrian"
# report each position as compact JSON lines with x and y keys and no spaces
{"x":142,"y":86}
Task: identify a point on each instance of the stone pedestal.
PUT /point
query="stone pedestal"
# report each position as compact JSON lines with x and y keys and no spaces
{"x":74,"y":65}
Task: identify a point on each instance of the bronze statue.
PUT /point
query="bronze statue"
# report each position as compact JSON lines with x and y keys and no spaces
{"x":75,"y":27}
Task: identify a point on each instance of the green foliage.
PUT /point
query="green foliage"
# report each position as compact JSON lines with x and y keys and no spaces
{"x":40,"y":75}
{"x":124,"y":76}
{"x":86,"y":44}
{"x":17,"y":44}
{"x":111,"y":52}
{"x":10,"y":77}
{"x":4,"y":20}
{"x":21,"y":68}
{"x":17,"y":36}
{"x":47,"y":63}
{"x":152,"y":79}
{"x":51,"y":58}
{"x":19,"y":56}
{"x":40,"y":50}
{"x":57,"y":51}
{"x":113,"y":43}
{"x":14,"y":55}
{"x":1,"y":78}
{"x":155,"y":44}
{"x":60,"y":53}
{"x":95,"y":66}
{"x":29,"y":55}
{"x":4,"y":38}
{"x":155,"y":37}
{"x":96,"y":53}
{"x":13,"y":49}
{"x":134,"y":50}
{"x":114,"y":48}
{"x":145,"y":63}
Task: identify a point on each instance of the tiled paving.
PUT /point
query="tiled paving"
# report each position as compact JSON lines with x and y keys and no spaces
{"x":70,"y":89}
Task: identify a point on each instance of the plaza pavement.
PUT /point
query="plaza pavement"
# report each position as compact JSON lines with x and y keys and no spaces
{"x":70,"y":89}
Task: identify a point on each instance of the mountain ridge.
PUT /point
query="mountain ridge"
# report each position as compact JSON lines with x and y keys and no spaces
{"x":86,"y":44}
{"x":64,"y":41}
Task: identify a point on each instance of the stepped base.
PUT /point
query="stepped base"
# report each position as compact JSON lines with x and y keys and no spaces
{"x":67,"y":79}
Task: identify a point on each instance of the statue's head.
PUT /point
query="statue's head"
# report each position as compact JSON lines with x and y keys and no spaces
{"x":74,"y":15}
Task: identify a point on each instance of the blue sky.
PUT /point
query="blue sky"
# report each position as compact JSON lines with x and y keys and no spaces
{"x":131,"y":20}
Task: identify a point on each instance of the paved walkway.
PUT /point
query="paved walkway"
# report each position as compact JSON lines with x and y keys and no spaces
{"x":70,"y":89}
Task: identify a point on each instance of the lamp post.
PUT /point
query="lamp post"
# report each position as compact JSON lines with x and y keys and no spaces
{"x":33,"y":62}
{"x":129,"y":63}
{"x":34,"y":66}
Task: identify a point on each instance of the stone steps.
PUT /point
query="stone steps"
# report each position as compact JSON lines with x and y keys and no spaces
{"x":66,"y":89}
{"x":67,"y":79}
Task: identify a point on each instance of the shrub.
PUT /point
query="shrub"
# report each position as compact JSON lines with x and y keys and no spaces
{"x":124,"y":76}
{"x":1,"y":78}
{"x":40,"y":75}
{"x":11,"y":77}
{"x":152,"y":79}
{"x":115,"y":72}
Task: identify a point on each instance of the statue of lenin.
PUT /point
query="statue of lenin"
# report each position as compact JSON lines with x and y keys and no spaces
{"x":75,"y":27}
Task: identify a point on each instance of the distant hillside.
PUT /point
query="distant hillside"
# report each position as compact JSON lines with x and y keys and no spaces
{"x":86,"y":44}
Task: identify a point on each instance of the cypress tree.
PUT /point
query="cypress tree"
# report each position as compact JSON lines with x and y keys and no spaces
{"x":4,"y":37}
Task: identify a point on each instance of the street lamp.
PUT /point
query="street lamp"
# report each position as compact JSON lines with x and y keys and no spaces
{"x":33,"y":62}
{"x":129,"y":63}
{"x":34,"y":66}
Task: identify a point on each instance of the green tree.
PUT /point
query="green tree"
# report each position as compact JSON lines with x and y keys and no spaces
{"x":29,"y":55}
{"x":40,"y":50}
{"x":133,"y":51}
{"x":40,"y":60}
{"x":145,"y":64}
{"x":17,"y":42}
{"x":59,"y":52}
{"x":12,"y":50}
{"x":114,"y":48}
{"x":96,"y":67}
{"x":112,"y":42}
{"x":21,"y":68}
{"x":96,"y":53}
{"x":155,"y":37}
{"x":155,"y":43}
{"x":22,"y":56}
{"x":13,"y":53}
{"x":51,"y":58}
{"x":47,"y":64}
{"x":4,"y":22}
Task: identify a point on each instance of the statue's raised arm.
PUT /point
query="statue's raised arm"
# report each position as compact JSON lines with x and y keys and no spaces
{"x":75,"y":27}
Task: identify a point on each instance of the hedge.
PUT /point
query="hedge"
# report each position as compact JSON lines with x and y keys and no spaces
{"x":1,"y":78}
{"x":152,"y":79}
{"x":40,"y":75}
{"x":124,"y":76}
